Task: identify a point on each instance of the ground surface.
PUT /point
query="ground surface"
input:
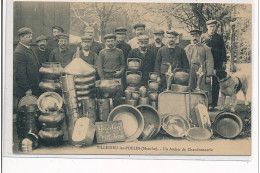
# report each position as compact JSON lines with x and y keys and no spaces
{"x":241,"y":145}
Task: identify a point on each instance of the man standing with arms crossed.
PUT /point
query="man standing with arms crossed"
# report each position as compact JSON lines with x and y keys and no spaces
{"x":215,"y":41}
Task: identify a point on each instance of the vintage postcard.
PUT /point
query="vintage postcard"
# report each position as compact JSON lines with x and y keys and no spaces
{"x":130,"y":78}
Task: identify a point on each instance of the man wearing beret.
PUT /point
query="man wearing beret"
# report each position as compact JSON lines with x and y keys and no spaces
{"x":146,"y":56}
{"x":171,"y":53}
{"x":217,"y":45}
{"x":85,"y":53}
{"x":41,"y":51}
{"x":26,"y":66}
{"x":139,"y":30}
{"x":111,"y":63}
{"x":157,"y":44}
{"x":200,"y":57}
{"x":62,"y":54}
{"x":96,"y":46}
{"x":52,"y":42}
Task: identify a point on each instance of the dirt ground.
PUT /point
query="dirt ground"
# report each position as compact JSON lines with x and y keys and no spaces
{"x":244,"y":112}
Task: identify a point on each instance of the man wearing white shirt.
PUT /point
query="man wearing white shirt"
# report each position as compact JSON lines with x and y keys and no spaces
{"x":139,"y":30}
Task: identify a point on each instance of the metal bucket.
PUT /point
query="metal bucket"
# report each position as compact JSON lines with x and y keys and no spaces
{"x":89,"y":109}
{"x":103,"y":109}
{"x":67,"y":82}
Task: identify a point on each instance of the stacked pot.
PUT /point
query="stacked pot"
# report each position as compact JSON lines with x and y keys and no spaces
{"x":51,"y":118}
{"x":133,"y":80}
{"x":84,"y":78}
{"x":50,"y":73}
{"x":153,"y":86}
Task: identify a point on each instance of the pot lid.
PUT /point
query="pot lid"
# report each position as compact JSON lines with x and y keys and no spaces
{"x":49,"y":102}
{"x":79,"y":67}
{"x":198,"y":133}
{"x":29,"y":99}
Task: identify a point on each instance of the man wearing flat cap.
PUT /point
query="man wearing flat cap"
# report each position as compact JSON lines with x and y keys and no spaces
{"x":157,"y":44}
{"x":52,"y":42}
{"x":63,"y":53}
{"x":145,"y":55}
{"x":26,"y":66}
{"x":139,"y":30}
{"x":111,"y":64}
{"x":171,"y":53}
{"x":41,"y":51}
{"x":85,"y":53}
{"x":201,"y":63}
{"x":96,"y":46}
{"x":215,"y":41}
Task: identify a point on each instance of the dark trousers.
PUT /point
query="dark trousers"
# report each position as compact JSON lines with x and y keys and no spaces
{"x":215,"y":91}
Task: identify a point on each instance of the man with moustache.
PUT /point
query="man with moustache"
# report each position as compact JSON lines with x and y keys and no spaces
{"x":200,"y":56}
{"x":171,"y":53}
{"x":218,"y":50}
{"x":96,"y":46}
{"x":157,"y":44}
{"x":111,"y":64}
{"x":146,"y":55}
{"x":85,"y":53}
{"x":62,"y":54}
{"x":41,"y":51}
{"x":120,"y":39}
{"x":26,"y":66}
{"x":52,"y":42}
{"x":139,"y":30}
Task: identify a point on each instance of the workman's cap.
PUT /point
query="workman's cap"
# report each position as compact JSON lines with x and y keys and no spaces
{"x":139,"y":25}
{"x":63,"y":36}
{"x":195,"y":31}
{"x":41,"y":37}
{"x":120,"y":30}
{"x":172,"y":32}
{"x":158,"y":32}
{"x":109,"y":36}
{"x":24,"y":30}
{"x":58,"y":28}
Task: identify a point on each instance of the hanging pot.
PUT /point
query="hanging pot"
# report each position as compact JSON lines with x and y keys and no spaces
{"x":133,"y":78}
{"x":51,"y":70}
{"x":133,"y":64}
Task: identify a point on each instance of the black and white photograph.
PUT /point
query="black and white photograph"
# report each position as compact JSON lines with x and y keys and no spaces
{"x":131,"y":78}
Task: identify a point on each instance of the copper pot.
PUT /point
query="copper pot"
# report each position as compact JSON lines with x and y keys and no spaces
{"x":51,"y":70}
{"x":135,"y":95}
{"x":181,"y":78}
{"x":153,"y":76}
{"x":108,"y":87}
{"x":133,"y":78}
{"x":153,"y":96}
{"x":50,"y":120}
{"x":153,"y":86}
{"x":132,"y":88}
{"x":49,"y":85}
{"x":133,"y":64}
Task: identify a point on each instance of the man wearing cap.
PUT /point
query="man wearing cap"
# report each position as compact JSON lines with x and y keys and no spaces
{"x":111,"y":63}
{"x":200,"y":57}
{"x":146,"y":56}
{"x":157,"y":44}
{"x":96,"y":46}
{"x":52,"y":42}
{"x":62,"y":54}
{"x":139,"y":30}
{"x":218,"y":50}
{"x":85,"y":53}
{"x":120,"y":39}
{"x":41,"y":51}
{"x":26,"y":66}
{"x":171,"y":53}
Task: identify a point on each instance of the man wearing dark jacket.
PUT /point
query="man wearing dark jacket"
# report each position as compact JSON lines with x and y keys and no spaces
{"x":146,"y":56}
{"x":157,"y":44}
{"x":96,"y":46}
{"x":218,"y":50}
{"x":52,"y":42}
{"x":41,"y":51}
{"x":120,"y":39}
{"x":26,"y":66}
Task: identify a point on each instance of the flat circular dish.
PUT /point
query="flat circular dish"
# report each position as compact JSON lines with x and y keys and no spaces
{"x":27,"y":100}
{"x":132,"y":118}
{"x":49,"y":102}
{"x":151,"y":117}
{"x":198,"y":133}
{"x":175,"y":125}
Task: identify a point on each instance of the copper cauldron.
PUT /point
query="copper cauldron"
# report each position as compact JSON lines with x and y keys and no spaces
{"x":181,"y":77}
{"x":108,"y":87}
{"x":133,"y":78}
{"x":133,"y":64}
{"x":153,"y":86}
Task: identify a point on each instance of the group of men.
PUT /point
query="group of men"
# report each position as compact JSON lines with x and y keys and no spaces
{"x":206,"y":52}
